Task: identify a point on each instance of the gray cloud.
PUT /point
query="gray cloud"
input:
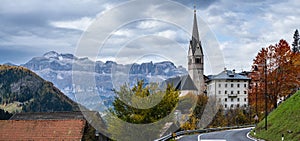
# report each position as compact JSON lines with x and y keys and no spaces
{"x":202,"y":4}
{"x":30,"y":28}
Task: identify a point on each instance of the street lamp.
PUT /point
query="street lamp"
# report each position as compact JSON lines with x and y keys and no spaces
{"x":266,"y":90}
{"x":256,"y":91}
{"x":266,"y":100}
{"x":256,"y":98}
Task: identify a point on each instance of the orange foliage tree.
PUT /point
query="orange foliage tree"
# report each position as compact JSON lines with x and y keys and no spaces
{"x":276,"y":67}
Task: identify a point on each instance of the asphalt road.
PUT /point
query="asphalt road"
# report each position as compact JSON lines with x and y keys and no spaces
{"x":228,"y":135}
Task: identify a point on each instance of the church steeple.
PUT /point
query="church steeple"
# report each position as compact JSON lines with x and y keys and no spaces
{"x":196,"y":57}
{"x":195,"y":41}
{"x":195,"y":36}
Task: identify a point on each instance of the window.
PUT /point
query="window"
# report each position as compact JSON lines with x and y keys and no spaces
{"x":225,"y":85}
{"x":245,"y":105}
{"x":238,"y":92}
{"x":245,"y":92}
{"x":231,"y":85}
{"x":245,"y":99}
{"x":219,"y":85}
{"x":225,"y":99}
{"x":231,"y":92}
{"x":225,"y":105}
{"x":245,"y":85}
{"x":219,"y":92}
{"x":238,"y":105}
{"x":238,"y":99}
{"x":231,"y":99}
{"x":231,"y":105}
{"x":198,"y":60}
{"x":225,"y":92}
{"x":238,"y":85}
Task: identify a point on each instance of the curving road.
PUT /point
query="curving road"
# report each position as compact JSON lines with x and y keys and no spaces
{"x":228,"y":135}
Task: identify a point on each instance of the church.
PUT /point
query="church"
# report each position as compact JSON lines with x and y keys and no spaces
{"x":229,"y":88}
{"x":196,"y":58}
{"x":194,"y":81}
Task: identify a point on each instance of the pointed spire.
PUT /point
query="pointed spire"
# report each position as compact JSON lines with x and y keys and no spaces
{"x":195,"y":28}
{"x":195,"y":33}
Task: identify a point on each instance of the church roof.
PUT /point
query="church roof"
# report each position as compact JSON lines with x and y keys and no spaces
{"x":195,"y":35}
{"x":182,"y":83}
{"x":228,"y":75}
{"x":195,"y":29}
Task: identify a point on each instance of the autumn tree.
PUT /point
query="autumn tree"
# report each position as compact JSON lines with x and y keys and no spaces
{"x":274,"y":68}
{"x":192,"y":107}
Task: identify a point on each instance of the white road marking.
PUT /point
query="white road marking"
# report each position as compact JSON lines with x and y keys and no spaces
{"x":248,"y":136}
{"x":199,"y":139}
{"x":199,"y":136}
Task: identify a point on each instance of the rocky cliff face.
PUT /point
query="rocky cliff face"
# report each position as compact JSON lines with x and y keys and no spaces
{"x":59,"y":69}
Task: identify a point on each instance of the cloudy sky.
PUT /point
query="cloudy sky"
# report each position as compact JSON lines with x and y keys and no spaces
{"x":143,"y":30}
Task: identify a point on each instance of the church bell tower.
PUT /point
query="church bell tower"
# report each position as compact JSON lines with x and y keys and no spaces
{"x":196,"y":58}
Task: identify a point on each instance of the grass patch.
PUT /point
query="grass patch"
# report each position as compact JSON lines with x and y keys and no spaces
{"x":14,"y":107}
{"x":282,"y":120}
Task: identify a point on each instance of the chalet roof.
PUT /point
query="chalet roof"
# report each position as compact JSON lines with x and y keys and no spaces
{"x":48,"y":116}
{"x":182,"y":83}
{"x":50,"y":125}
{"x":71,"y":129}
{"x":228,"y":75}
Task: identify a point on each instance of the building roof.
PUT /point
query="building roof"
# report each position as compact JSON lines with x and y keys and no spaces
{"x":61,"y":126}
{"x":48,"y":116}
{"x":71,"y":129}
{"x":228,"y":75}
{"x":182,"y":83}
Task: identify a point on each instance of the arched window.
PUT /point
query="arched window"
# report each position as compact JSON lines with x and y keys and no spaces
{"x":198,"y":60}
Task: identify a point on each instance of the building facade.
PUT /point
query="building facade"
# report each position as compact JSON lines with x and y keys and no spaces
{"x":230,"y":89}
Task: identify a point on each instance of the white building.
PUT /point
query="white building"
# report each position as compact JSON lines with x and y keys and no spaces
{"x":229,"y":88}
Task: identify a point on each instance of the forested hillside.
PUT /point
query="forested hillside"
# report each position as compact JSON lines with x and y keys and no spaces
{"x":23,"y":91}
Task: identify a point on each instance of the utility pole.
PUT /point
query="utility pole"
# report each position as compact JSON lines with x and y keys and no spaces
{"x":256,"y":110}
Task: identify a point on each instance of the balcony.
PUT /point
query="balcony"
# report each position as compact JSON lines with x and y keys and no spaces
{"x":232,"y":95}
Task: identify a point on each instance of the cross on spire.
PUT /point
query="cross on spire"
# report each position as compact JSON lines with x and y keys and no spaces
{"x":194,"y":6}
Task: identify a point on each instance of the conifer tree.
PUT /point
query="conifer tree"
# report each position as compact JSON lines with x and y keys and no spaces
{"x":136,"y":111}
{"x":295,"y":43}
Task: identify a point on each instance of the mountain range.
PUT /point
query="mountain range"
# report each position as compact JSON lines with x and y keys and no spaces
{"x":61,"y":68}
